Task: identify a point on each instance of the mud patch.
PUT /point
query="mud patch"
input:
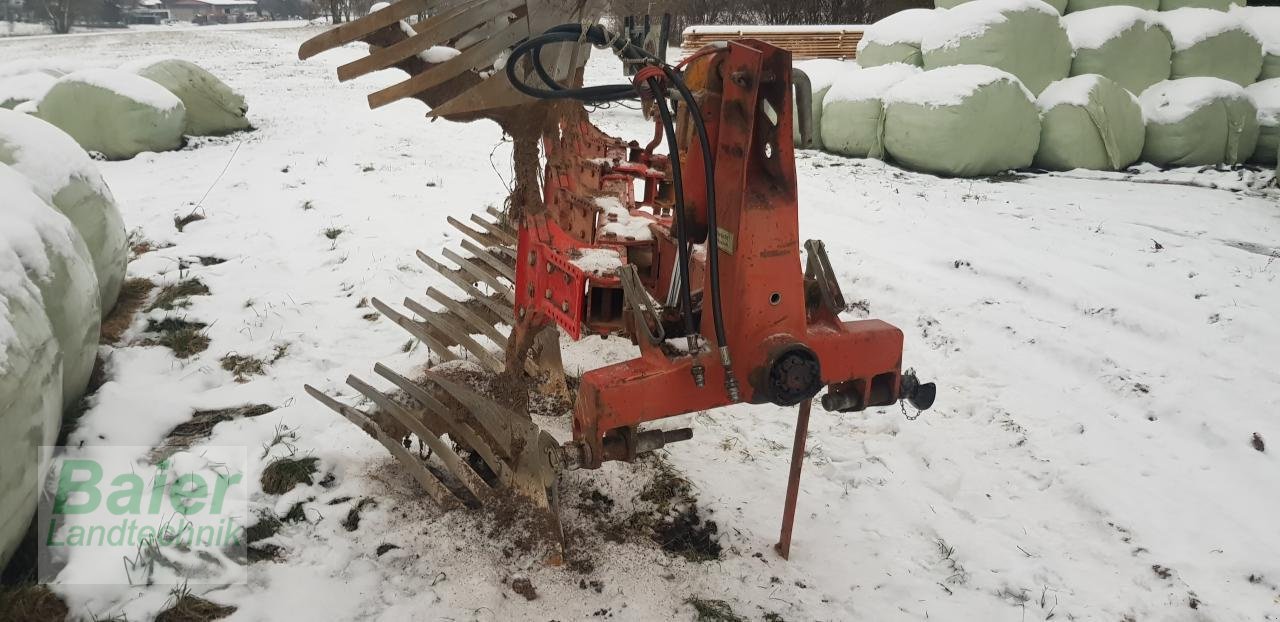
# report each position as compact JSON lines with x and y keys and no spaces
{"x":524,"y":587}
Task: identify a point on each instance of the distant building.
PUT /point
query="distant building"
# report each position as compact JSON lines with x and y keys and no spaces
{"x":148,"y":12}
{"x":206,"y":11}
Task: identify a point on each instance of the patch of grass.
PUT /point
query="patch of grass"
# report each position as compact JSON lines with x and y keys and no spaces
{"x":333,"y":232}
{"x":185,"y":338}
{"x":713,"y":610}
{"x":200,"y":427}
{"x":31,"y":602}
{"x":281,"y":349}
{"x":178,"y":295}
{"x":352,"y":521}
{"x":370,"y":317}
{"x":242,"y":367}
{"x":386,"y":547}
{"x":284,"y":474}
{"x":296,"y":514}
{"x":188,"y":607}
{"x":133,"y":294}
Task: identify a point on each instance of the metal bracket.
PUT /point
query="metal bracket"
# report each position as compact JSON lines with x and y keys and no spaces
{"x":818,"y":269}
{"x":642,"y":306}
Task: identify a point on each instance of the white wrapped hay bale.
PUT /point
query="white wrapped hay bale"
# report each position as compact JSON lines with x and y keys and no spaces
{"x":1214,"y":5}
{"x":896,"y":38}
{"x":1264,"y":22}
{"x":213,"y":108}
{"x":1212,"y":44}
{"x":1126,"y":44}
{"x":114,"y":112}
{"x":1058,"y":5}
{"x":853,"y":110}
{"x":1198,"y":122}
{"x":1075,"y":6}
{"x":56,"y":260}
{"x":65,"y":177}
{"x":1265,"y":96}
{"x":22,"y":88}
{"x":1089,"y":122}
{"x":30,"y":395}
{"x":963,"y":121}
{"x":822,"y":73}
{"x":1022,"y":37}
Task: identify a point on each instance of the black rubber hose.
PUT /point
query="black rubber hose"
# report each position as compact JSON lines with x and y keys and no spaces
{"x":682,"y":229}
{"x":713,"y":241}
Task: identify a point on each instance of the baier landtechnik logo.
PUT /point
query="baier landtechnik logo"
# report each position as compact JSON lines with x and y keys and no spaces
{"x":126,"y":515}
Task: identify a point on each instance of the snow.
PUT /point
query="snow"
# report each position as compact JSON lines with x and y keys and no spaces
{"x":1097,"y":395}
{"x":738,"y":31}
{"x":869,"y":83}
{"x":906,"y":26}
{"x":1073,"y":91}
{"x":624,"y":224}
{"x":25,"y":87}
{"x":54,"y":157}
{"x":1263,"y":22}
{"x":14,"y":282}
{"x":1172,"y":101}
{"x":1266,"y":98}
{"x":599,"y":261}
{"x":127,"y":85}
{"x":1094,"y":28}
{"x":823,"y":72}
{"x":1189,"y":26}
{"x":32,"y":229}
{"x":948,"y":86}
{"x":972,"y":19}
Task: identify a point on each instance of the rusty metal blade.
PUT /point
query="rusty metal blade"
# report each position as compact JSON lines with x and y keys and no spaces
{"x":503,"y":267}
{"x":414,"y":329}
{"x":480,"y":326}
{"x":481,"y":272}
{"x":494,"y":92}
{"x":430,"y":483}
{"x":459,"y":430}
{"x":476,"y":56}
{"x":479,"y":236}
{"x":503,"y":312}
{"x":363,"y":27}
{"x":436,"y":30}
{"x":494,"y":230}
{"x":457,"y":466}
{"x":499,"y":423}
{"x":441,"y":323}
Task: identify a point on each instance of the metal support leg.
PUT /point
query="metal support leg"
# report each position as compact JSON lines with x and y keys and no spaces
{"x":783,"y":547}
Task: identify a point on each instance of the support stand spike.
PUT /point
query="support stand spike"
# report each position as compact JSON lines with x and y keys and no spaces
{"x":783,"y":547}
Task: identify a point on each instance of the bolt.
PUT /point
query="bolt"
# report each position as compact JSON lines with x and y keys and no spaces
{"x":547,"y":294}
{"x":533,"y":258}
{"x":566,"y":278}
{"x":741,"y":78}
{"x":564,"y":306}
{"x":521,"y":311}
{"x":549,"y":267}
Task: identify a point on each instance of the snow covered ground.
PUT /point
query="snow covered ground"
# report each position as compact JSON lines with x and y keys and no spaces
{"x":1104,"y":346}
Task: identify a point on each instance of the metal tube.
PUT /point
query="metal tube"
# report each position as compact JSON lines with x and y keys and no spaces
{"x":783,"y":547}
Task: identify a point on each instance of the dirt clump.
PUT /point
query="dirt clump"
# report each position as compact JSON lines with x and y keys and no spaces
{"x":284,"y":474}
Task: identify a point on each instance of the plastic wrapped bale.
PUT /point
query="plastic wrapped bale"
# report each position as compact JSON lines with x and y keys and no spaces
{"x":1264,"y":22}
{"x":30,"y":397}
{"x":896,"y":38}
{"x":1214,"y":5}
{"x":822,"y":74}
{"x":1022,"y":37}
{"x":57,"y":261}
{"x":22,"y":88}
{"x":212,"y":107}
{"x":115,"y":113}
{"x":1126,"y":44}
{"x":1198,"y":122}
{"x":963,"y":121}
{"x":1075,"y":6}
{"x":1212,"y":44}
{"x":1058,"y":5}
{"x":1265,"y":96}
{"x":1089,"y":122}
{"x":65,"y":177}
{"x":853,"y":111}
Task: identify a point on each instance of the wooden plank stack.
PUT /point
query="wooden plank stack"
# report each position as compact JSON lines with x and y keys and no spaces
{"x":839,"y":42}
